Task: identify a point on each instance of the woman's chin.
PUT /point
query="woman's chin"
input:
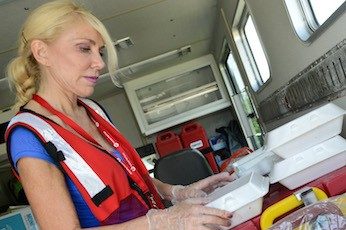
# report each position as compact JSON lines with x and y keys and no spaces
{"x":86,"y":93}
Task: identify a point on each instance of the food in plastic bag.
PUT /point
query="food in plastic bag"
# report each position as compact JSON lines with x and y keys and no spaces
{"x":323,"y":215}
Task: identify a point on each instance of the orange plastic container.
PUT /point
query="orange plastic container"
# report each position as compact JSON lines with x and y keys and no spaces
{"x":194,"y":136}
{"x":168,"y":142}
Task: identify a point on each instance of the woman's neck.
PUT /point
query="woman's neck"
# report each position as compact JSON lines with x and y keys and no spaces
{"x":61,"y":101}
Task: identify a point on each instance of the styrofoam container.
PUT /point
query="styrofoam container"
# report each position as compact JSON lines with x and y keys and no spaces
{"x":310,"y":164}
{"x":260,"y":161}
{"x":306,"y":131}
{"x":243,"y":197}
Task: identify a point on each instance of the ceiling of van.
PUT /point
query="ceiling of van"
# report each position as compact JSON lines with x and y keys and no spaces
{"x":154,"y":26}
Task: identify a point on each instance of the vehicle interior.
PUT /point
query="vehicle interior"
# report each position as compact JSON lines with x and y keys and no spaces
{"x":235,"y":68}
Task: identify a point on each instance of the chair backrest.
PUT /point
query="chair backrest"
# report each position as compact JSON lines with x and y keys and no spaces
{"x":182,"y":167}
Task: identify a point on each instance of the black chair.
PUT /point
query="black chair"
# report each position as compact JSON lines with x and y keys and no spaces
{"x":182,"y":167}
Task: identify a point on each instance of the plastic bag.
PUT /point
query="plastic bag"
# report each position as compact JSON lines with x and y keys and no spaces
{"x":323,"y":215}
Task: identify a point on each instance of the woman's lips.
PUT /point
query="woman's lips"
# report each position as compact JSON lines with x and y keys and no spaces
{"x":92,"y":79}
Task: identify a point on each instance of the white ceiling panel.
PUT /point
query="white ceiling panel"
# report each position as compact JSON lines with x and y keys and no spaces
{"x":155,"y":26}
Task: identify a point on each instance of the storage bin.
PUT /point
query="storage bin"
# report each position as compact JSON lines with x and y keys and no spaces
{"x":194,"y":136}
{"x":243,"y":197}
{"x":306,"y":131}
{"x":168,"y":142}
{"x":310,"y":164}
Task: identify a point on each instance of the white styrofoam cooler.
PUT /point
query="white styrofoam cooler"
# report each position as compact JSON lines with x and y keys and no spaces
{"x":243,"y":197}
{"x":306,"y":131}
{"x":310,"y":164}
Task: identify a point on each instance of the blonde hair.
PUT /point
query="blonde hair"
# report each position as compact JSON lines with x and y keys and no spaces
{"x":46,"y":23}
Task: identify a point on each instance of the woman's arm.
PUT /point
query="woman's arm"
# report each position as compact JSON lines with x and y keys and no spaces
{"x":164,"y":189}
{"x":50,"y":201}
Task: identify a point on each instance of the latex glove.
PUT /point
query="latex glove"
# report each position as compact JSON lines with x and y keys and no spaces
{"x":200,"y":188}
{"x":190,"y":214}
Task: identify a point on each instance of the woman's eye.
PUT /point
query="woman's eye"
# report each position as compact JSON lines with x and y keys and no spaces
{"x":102,"y":51}
{"x":85,"y":49}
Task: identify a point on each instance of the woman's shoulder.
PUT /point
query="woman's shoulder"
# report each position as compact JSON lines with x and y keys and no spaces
{"x":24,"y":143}
{"x":35,"y":108}
{"x":23,"y":138}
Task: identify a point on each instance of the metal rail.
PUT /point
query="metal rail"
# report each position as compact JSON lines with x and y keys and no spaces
{"x":323,"y":80}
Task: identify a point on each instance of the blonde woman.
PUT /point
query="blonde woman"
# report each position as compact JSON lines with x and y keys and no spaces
{"x":77,"y":170}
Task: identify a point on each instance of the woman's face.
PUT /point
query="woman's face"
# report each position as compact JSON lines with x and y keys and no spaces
{"x":74,"y":59}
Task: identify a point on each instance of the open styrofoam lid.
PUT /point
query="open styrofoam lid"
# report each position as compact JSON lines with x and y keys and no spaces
{"x":260,"y":161}
{"x":239,"y":192}
{"x":303,"y":124}
{"x":307,"y":158}
{"x":255,"y":155}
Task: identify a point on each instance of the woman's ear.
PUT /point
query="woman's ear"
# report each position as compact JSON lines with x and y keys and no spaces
{"x":39,"y":50}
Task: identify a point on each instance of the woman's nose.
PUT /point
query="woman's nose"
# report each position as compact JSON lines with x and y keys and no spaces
{"x":98,"y":61}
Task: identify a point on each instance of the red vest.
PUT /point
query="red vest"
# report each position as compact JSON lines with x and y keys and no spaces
{"x":103,"y":179}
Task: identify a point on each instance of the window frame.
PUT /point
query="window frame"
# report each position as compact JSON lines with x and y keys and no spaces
{"x":226,"y":51}
{"x":304,"y":22}
{"x":242,"y":110}
{"x":251,"y":67}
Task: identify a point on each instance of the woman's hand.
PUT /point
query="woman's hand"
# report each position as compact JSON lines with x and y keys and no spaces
{"x":200,"y":188}
{"x":189,"y":214}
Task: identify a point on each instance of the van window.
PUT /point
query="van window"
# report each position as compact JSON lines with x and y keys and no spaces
{"x":256,"y":50}
{"x":241,"y":99}
{"x":250,"y":48}
{"x":232,"y":71}
{"x":307,"y":16}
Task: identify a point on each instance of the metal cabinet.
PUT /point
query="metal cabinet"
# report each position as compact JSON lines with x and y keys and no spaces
{"x":177,"y":94}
